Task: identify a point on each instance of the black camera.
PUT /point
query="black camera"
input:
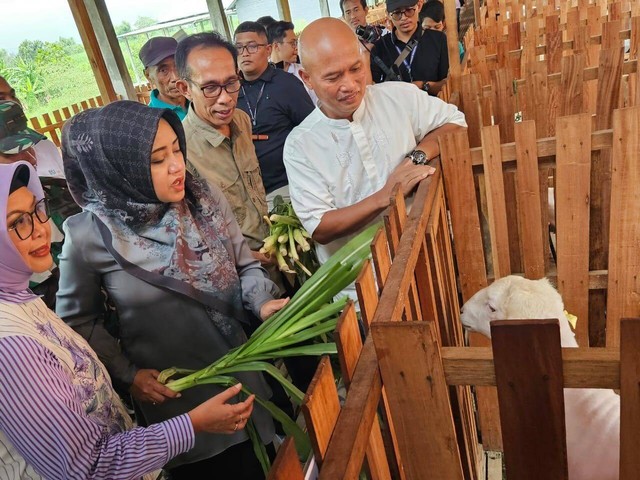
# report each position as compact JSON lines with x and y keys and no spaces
{"x":369,"y":33}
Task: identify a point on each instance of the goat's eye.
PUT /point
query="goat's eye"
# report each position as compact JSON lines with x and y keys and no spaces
{"x":491,"y":307}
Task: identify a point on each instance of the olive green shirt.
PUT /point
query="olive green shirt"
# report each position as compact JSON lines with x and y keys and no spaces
{"x":232,"y":164}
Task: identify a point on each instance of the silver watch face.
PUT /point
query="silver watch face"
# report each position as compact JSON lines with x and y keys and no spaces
{"x":418,"y":157}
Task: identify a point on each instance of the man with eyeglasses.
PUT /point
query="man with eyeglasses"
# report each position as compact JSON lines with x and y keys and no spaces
{"x":284,"y":51}
{"x":409,"y":53}
{"x":158,"y":58}
{"x":275,"y":101}
{"x":18,"y":142}
{"x":218,"y":134}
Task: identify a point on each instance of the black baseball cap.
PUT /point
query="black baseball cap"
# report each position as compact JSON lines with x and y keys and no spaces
{"x":393,"y":5}
{"x":157,"y":49}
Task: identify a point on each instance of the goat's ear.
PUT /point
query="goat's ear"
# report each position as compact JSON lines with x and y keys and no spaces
{"x":520,"y":303}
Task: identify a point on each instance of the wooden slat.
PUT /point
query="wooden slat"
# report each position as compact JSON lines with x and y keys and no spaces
{"x":409,"y":354}
{"x":349,"y":344}
{"x":367,"y":293}
{"x":546,"y":147}
{"x":286,"y":466}
{"x":536,"y":93}
{"x":320,"y":408}
{"x":583,"y":367}
{"x":624,"y":255}
{"x":504,"y":103}
{"x":572,"y":84}
{"x":629,"y":398}
{"x":346,"y":452}
{"x":573,"y":169}
{"x":494,"y":183}
{"x":381,"y":257}
{"x":532,"y":234}
{"x":471,"y":92}
{"x":465,"y":222}
{"x":528,"y":367}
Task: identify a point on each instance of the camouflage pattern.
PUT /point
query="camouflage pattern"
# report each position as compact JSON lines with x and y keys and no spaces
{"x":15,"y":136}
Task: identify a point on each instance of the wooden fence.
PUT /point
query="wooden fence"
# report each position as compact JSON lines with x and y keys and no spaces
{"x":50,"y":124}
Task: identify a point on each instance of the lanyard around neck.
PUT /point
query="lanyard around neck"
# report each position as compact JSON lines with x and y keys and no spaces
{"x":253,"y":113}
{"x":410,"y":62}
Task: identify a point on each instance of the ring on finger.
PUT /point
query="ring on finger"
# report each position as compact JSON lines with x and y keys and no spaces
{"x":235,"y":427}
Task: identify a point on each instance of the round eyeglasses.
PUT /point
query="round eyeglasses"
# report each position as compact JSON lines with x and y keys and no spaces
{"x":23,"y":225}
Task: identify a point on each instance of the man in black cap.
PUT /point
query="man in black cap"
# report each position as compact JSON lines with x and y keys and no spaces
{"x":409,"y":54}
{"x":157,"y":56}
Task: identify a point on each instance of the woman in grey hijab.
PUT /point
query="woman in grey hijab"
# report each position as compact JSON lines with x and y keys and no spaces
{"x":169,"y":253}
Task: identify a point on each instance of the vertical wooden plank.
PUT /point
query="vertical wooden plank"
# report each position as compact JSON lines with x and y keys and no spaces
{"x":635,"y":37}
{"x":381,"y":257}
{"x":528,"y":364}
{"x":471,"y":93}
{"x":609,"y":79}
{"x":465,"y":222}
{"x":611,"y":34}
{"x":349,"y":345}
{"x":503,"y":103}
{"x":593,"y":21}
{"x":624,"y":255}
{"x":629,"y":398}
{"x":529,"y":209}
{"x":573,"y":159}
{"x":572,"y":84}
{"x":477,"y":56}
{"x":494,"y":182}
{"x":321,"y":408}
{"x":537,"y":99}
{"x":367,"y":294}
{"x":408,"y":354}
{"x":286,"y":466}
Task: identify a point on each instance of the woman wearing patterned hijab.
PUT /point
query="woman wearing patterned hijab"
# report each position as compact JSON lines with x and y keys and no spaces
{"x":171,"y":257}
{"x":59,"y":416}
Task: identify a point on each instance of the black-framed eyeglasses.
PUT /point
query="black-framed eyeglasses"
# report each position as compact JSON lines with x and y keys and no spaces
{"x":407,"y":12}
{"x":213,"y":90}
{"x":23,"y":225}
{"x":250,"y":47}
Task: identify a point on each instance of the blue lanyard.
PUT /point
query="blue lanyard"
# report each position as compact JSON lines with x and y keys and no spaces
{"x":413,"y":54}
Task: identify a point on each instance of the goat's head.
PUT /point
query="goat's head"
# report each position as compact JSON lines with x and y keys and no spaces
{"x":513,"y":297}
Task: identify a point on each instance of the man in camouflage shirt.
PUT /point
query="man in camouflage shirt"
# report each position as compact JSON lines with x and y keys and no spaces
{"x":18,"y":142}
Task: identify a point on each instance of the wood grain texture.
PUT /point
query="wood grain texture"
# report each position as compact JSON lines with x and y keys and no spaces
{"x":321,"y":408}
{"x":414,"y":377}
{"x":286,"y":466}
{"x":367,"y":292}
{"x":529,"y":202}
{"x":629,"y":398}
{"x":573,"y":170}
{"x":528,"y":367}
{"x":624,"y":254}
{"x":571,"y":84}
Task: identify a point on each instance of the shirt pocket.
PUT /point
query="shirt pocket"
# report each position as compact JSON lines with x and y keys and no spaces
{"x":255,"y":187}
{"x":233,"y":189}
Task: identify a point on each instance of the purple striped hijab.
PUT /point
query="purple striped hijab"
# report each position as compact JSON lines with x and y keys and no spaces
{"x":14,"y":272}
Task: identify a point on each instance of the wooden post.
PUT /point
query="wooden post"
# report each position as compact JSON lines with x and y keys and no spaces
{"x":629,"y":398}
{"x":324,"y":8}
{"x":283,"y":10}
{"x":624,"y":257}
{"x":573,"y":159}
{"x":410,"y":361}
{"x":110,"y":48}
{"x":218,"y":18}
{"x":92,"y":47}
{"x":452,"y":45}
{"x":528,"y":365}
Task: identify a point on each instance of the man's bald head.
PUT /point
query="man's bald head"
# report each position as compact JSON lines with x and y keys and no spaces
{"x":322,"y":38}
{"x":333,"y":66}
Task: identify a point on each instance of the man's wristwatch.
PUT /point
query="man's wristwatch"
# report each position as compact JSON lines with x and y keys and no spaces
{"x":418,"y":157}
{"x":425,"y":86}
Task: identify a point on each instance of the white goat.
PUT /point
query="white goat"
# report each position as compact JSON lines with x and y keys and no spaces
{"x":592,"y":416}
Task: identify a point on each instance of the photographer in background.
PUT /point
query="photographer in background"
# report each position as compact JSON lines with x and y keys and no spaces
{"x":410,"y":54}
